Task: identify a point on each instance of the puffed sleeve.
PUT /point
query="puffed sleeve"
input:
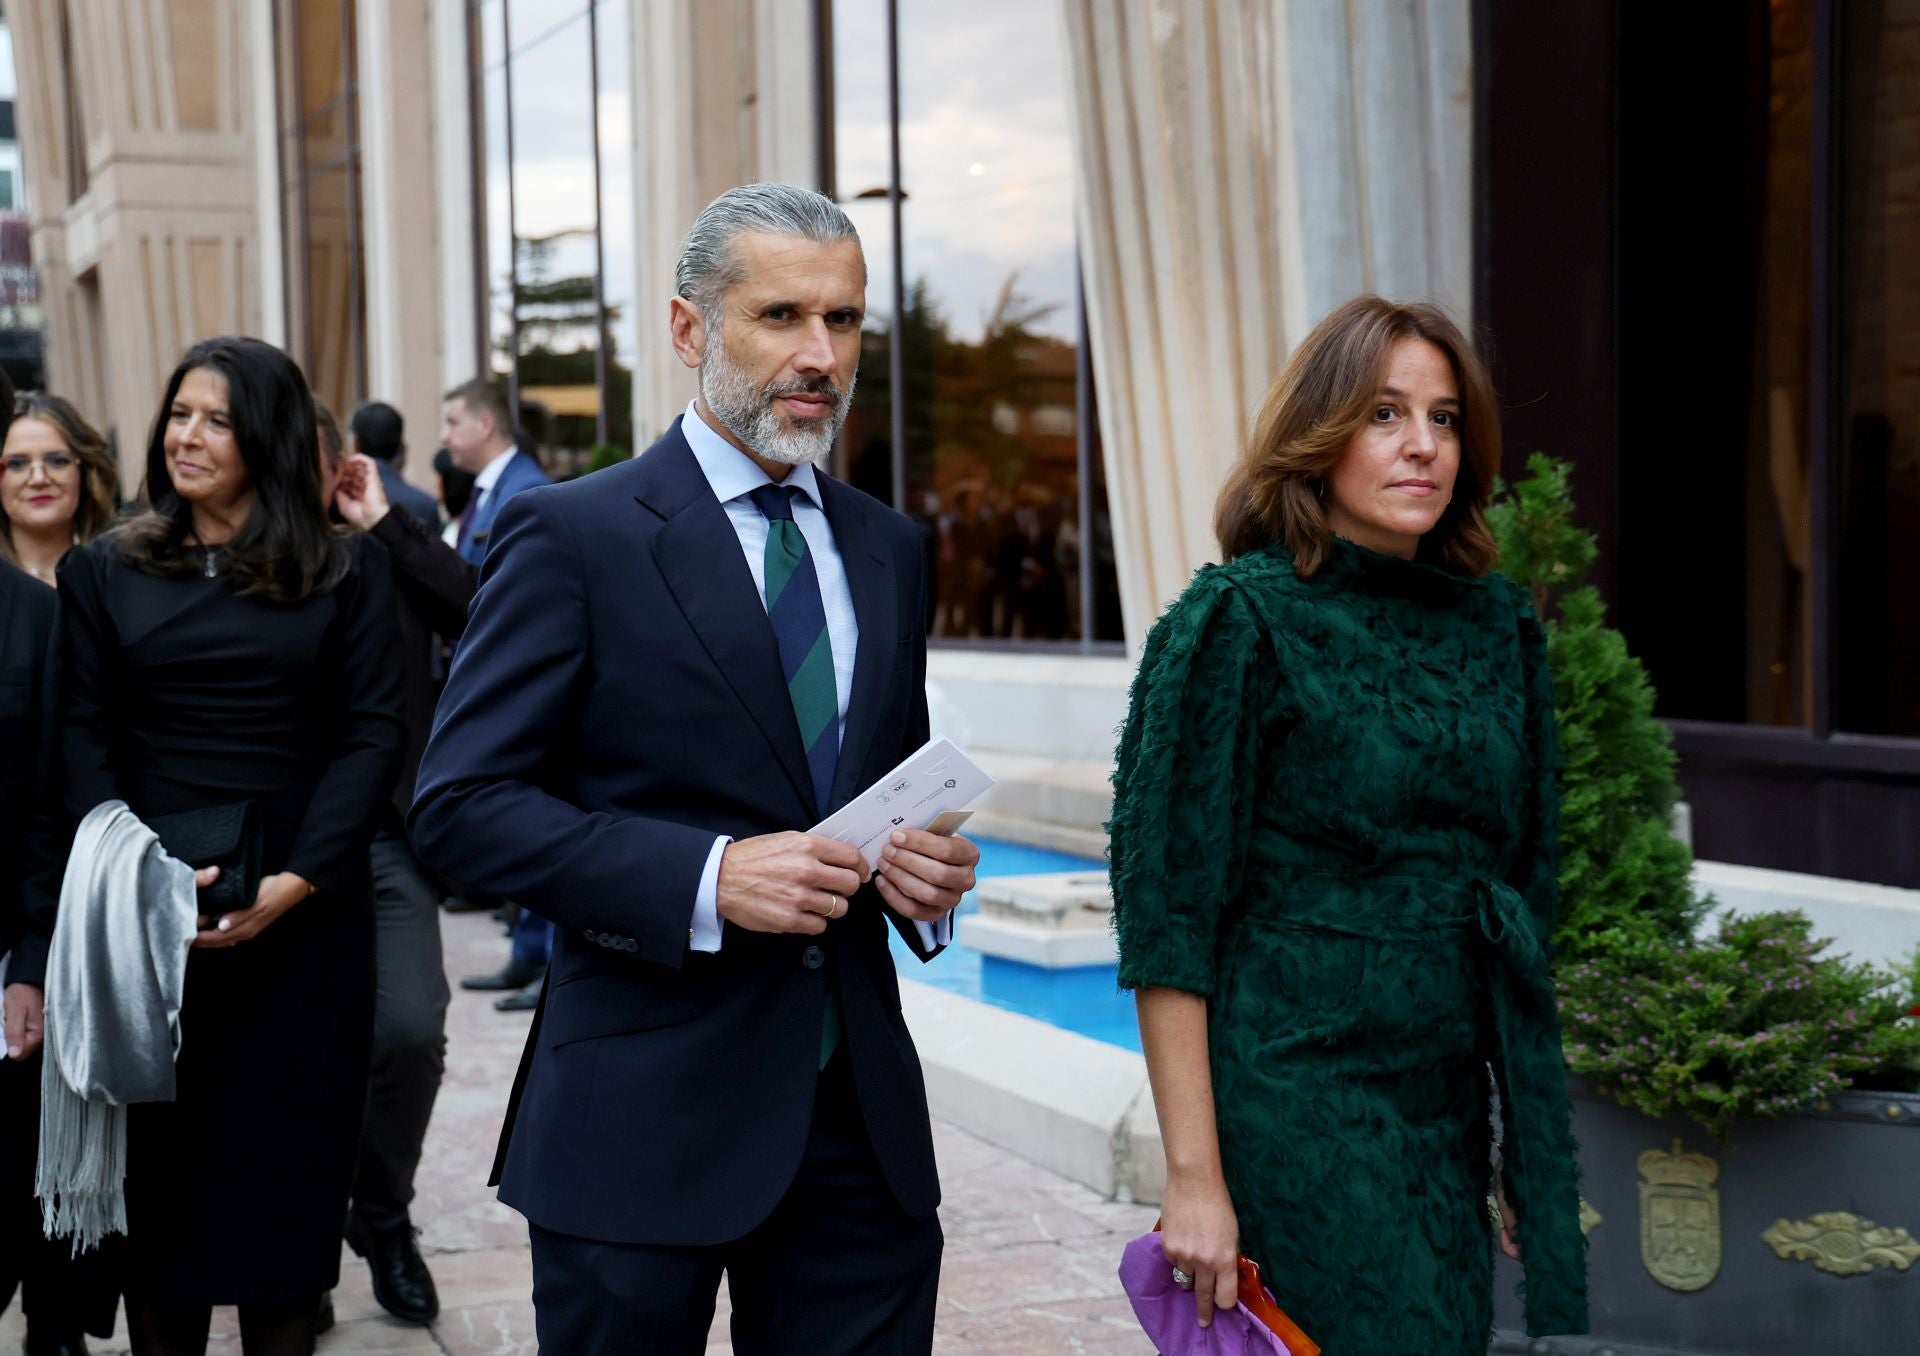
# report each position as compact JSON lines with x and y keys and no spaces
{"x":331,"y":848}
{"x":1185,"y":784}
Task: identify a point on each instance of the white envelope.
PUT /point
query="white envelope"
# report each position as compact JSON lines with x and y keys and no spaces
{"x":930,"y":790}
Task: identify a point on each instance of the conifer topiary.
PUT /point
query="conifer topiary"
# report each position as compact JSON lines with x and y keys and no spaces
{"x":1621,"y":868}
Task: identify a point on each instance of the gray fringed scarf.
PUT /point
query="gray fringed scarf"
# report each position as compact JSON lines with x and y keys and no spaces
{"x":115,"y":974}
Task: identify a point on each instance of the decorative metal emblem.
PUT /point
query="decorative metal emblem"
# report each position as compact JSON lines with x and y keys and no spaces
{"x":1679,"y":1218}
{"x":1842,"y":1244}
{"x":1590,"y":1219}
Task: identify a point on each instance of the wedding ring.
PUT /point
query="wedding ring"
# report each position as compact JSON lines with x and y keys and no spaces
{"x":1181,"y":1279}
{"x":839,"y":907}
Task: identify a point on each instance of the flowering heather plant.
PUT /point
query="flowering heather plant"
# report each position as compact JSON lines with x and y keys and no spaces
{"x":1758,"y":1022}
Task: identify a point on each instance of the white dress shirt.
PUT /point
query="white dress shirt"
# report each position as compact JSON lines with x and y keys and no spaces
{"x":482,"y":487}
{"x":733,"y":476}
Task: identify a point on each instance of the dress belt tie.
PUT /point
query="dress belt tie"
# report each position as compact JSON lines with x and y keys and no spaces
{"x":1541,"y":1176}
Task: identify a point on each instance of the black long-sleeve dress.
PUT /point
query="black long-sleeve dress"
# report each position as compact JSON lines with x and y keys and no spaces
{"x":180,"y":694}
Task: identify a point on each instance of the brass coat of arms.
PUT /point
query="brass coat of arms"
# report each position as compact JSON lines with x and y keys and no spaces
{"x":1679,"y":1218}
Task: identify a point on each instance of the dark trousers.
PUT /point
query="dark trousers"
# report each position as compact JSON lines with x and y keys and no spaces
{"x":838,"y":1269}
{"x":532,"y":938}
{"x":409,"y":1029}
{"x":59,"y":1292}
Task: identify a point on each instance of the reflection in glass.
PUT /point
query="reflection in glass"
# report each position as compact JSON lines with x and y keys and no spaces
{"x":558,"y":270}
{"x":1879,"y":425}
{"x":991,"y":325}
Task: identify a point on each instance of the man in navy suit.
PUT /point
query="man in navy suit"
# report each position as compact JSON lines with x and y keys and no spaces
{"x":673,"y":665}
{"x":477,"y":431}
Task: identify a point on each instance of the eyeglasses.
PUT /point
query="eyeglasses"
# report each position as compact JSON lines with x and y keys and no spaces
{"x":53,"y":463}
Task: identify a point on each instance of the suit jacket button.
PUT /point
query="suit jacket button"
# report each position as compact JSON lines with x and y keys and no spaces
{"x":630,"y":944}
{"x":591,"y":935}
{"x":813,"y":958}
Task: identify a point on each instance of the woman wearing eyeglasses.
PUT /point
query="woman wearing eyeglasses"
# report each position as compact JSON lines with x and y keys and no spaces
{"x":58,"y":486}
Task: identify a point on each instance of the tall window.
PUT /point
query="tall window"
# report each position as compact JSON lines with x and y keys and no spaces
{"x":1770,"y":363}
{"x":323,"y":259}
{"x":554,"y":155}
{"x":951,"y":153}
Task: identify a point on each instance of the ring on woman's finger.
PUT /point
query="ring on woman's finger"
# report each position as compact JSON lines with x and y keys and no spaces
{"x":1181,"y":1279}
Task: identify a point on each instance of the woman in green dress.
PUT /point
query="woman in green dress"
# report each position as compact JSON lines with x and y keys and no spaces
{"x":1334,"y":867}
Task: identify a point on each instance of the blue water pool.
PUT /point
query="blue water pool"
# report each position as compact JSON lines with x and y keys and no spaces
{"x":1083,"y":999}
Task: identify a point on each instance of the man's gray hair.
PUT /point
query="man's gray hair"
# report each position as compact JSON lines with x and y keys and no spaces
{"x":709,"y":264}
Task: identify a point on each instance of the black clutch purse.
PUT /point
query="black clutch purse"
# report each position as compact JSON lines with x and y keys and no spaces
{"x":226,"y":836}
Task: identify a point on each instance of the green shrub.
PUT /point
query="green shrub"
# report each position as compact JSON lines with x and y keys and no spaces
{"x":1621,"y":868}
{"x":603,"y":455}
{"x":1757,"y":1022}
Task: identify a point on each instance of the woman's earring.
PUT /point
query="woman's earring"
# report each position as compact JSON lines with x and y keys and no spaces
{"x":1320,"y":490}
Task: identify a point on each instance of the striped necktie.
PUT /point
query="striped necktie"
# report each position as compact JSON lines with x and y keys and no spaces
{"x":806,"y":658}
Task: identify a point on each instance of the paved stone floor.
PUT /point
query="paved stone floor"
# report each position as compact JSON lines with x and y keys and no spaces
{"x":1030,"y":1257}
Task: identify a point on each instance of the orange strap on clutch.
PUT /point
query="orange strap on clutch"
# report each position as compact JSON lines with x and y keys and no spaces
{"x":1256,"y":1301}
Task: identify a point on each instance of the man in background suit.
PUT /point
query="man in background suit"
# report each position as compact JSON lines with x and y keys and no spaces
{"x":376,"y":430}
{"x":672,"y":666}
{"x":477,"y":431}
{"x":432,"y":588}
{"x":478,"y":434}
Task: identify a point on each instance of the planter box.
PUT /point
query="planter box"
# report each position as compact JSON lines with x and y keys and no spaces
{"x":1860,"y":1158}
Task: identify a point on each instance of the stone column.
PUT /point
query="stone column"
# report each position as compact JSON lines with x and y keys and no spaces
{"x":404,"y":223}
{"x":724,"y":93}
{"x":1244,"y":166}
{"x":160,"y":247}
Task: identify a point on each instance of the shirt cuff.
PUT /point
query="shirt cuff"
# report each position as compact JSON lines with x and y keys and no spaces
{"x":933,"y":936}
{"x":704,"y":934}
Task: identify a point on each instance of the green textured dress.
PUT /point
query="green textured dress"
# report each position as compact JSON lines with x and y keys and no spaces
{"x":1335,"y":814}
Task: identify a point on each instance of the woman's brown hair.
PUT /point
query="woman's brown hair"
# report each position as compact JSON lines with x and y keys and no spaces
{"x":99,"y":477}
{"x":1320,"y":402}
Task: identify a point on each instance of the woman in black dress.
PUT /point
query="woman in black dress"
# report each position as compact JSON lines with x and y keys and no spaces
{"x":229,"y":646}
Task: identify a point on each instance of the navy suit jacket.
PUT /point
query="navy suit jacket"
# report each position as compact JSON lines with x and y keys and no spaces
{"x":617,"y":701}
{"x":404,"y":495}
{"x":522,"y":473}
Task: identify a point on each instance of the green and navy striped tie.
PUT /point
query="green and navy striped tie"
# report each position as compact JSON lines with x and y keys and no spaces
{"x":806,"y":657}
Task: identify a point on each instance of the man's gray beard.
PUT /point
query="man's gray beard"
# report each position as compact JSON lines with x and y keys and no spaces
{"x":749,"y":413}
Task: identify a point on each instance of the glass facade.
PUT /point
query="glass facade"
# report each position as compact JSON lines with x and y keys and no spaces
{"x":1769,"y":352}
{"x":554,"y":156}
{"x":322,"y":257}
{"x":951,"y":152}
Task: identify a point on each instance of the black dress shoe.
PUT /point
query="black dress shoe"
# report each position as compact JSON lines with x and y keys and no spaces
{"x":323,"y":1316}
{"x":522,"y":1000}
{"x":401,"y":1281}
{"x":515,"y":974}
{"x":43,"y":1340}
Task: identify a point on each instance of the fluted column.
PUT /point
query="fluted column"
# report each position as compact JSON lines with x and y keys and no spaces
{"x":1244,"y":166}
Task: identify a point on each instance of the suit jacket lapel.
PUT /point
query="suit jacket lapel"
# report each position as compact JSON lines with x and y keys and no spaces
{"x":871,"y":581}
{"x":698,"y":555}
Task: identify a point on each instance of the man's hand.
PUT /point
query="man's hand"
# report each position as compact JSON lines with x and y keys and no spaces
{"x":788,"y":882}
{"x":1509,"y":1222}
{"x":358,"y":495}
{"x":26,"y":1019}
{"x":923,"y":875}
{"x":276,"y":895}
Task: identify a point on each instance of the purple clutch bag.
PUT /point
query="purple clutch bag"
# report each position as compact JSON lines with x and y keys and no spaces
{"x":1167,"y":1313}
